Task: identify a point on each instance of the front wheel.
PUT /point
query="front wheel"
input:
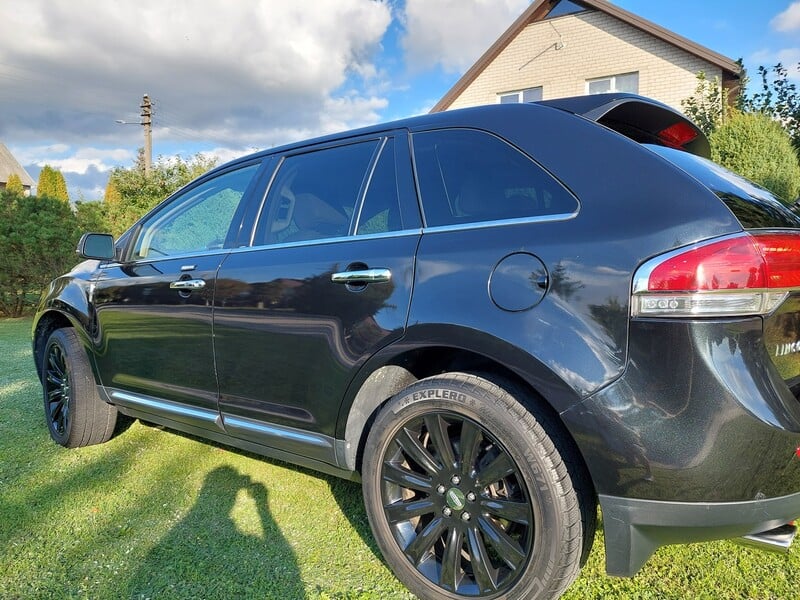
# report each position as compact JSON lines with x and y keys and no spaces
{"x":76,"y":415}
{"x":468,"y":496}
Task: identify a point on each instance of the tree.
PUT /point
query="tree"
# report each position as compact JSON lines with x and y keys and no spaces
{"x":779,"y":99}
{"x":52,"y":184}
{"x":758,"y":148}
{"x":37,"y":243}
{"x":138,"y":192}
{"x":14,"y":185}
{"x":709,"y":107}
{"x":91,"y":216}
{"x":112,"y":195}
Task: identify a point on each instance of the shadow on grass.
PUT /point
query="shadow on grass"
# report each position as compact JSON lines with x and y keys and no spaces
{"x":207,"y":555}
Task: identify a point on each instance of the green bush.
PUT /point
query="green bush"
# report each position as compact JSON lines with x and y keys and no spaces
{"x":757,"y":147}
{"x":37,"y":243}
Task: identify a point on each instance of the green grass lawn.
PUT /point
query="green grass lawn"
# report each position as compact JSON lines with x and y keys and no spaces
{"x":154,"y":514}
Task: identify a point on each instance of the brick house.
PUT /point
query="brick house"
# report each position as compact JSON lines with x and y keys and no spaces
{"x":8,"y":166}
{"x":560,"y":48}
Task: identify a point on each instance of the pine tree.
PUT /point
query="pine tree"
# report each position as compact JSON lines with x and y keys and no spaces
{"x":52,"y":184}
{"x":112,"y":195}
{"x":14,"y":185}
{"x":61,"y":187}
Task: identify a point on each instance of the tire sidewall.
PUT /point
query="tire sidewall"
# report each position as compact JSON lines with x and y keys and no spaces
{"x":59,"y":338}
{"x":511,"y":429}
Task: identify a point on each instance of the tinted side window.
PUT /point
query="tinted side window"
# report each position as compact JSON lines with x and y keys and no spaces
{"x":314,"y":195}
{"x":380,"y":212}
{"x":467,"y":176}
{"x":196,"y":221}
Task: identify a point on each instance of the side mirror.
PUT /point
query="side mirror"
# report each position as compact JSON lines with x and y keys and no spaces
{"x":99,"y":246}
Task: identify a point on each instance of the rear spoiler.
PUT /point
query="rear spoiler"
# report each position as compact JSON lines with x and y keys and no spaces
{"x":641,"y":119}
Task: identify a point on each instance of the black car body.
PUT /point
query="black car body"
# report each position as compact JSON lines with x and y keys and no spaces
{"x":567,"y":289}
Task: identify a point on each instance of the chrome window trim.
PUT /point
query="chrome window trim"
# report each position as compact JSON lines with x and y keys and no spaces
{"x":502,"y":222}
{"x":335,"y":240}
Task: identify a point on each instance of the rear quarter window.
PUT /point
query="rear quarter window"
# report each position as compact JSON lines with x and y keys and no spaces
{"x":468,"y":176}
{"x":752,"y":205}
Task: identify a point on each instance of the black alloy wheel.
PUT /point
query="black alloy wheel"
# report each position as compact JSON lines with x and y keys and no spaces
{"x":469,"y":494}
{"x":57,"y":391}
{"x":457,"y":504}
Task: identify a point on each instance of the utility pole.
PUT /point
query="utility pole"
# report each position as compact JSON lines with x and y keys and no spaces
{"x":147,"y":123}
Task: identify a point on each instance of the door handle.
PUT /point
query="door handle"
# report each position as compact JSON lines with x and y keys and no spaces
{"x":362,"y":276}
{"x":188,"y":284}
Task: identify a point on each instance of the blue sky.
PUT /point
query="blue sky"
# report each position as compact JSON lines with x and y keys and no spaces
{"x":231,"y":77}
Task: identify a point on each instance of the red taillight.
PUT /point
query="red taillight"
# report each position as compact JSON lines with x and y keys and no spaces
{"x":781,"y":253}
{"x":678,"y":134}
{"x":738,"y":275}
{"x":731,"y":264}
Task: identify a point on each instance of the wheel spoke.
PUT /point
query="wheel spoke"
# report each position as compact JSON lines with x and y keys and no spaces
{"x":518,"y":512}
{"x":451,"y":561}
{"x":507,"y":548}
{"x":425,"y":540}
{"x":437,"y":428}
{"x":469,"y":447}
{"x":417,"y":452}
{"x":480,"y":561}
{"x":405,"y":478}
{"x":502,"y":466}
{"x":56,"y":362}
{"x":399,"y":512}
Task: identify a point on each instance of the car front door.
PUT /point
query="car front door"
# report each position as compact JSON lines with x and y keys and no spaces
{"x":325,"y":285}
{"x":153,"y":336}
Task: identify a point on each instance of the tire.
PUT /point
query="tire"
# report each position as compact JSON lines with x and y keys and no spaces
{"x":76,"y":415}
{"x":468,"y":495}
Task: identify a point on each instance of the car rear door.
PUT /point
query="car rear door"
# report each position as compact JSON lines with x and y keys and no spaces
{"x":325,"y":284}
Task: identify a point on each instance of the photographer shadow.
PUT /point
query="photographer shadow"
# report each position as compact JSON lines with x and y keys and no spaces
{"x":207,"y":555}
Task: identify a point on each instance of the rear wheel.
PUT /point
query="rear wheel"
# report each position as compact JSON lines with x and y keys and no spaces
{"x":468,"y":496}
{"x":76,"y":415}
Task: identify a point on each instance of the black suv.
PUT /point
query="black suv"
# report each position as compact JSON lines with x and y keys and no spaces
{"x":494,"y":317}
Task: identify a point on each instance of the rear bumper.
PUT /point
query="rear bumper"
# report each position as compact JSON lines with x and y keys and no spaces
{"x":635,"y":528}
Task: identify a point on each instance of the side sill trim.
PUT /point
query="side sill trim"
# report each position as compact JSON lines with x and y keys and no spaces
{"x":175,"y":410}
{"x":288,"y":434}
{"x":635,"y":528}
{"x":218,"y":436}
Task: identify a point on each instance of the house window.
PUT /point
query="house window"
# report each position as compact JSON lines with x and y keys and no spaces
{"x":565,"y":7}
{"x":526,"y":95}
{"x":627,"y":82}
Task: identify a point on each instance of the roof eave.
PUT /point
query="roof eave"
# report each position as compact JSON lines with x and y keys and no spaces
{"x":538,"y":9}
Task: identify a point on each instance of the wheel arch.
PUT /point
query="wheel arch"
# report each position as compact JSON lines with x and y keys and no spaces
{"x":45,"y":324}
{"x":390,"y":372}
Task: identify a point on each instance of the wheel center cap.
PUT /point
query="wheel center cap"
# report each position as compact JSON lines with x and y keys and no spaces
{"x":456,"y":499}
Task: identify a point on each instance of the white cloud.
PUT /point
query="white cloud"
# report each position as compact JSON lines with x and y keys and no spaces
{"x":69,"y":68}
{"x":788,"y":57}
{"x":788,"y":20}
{"x":454,"y":33}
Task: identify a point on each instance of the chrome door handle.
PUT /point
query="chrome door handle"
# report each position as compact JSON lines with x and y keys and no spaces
{"x":363,"y":276}
{"x":188,"y":284}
